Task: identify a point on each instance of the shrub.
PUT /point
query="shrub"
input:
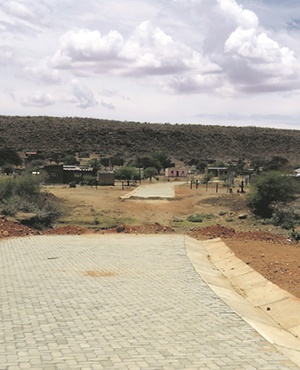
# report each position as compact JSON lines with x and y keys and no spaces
{"x":27,"y":186}
{"x":270,"y":188}
{"x":7,"y":186}
{"x":285,"y":215}
{"x":295,"y":235}
{"x":47,"y":215}
{"x":195,"y":218}
{"x":8,"y":207}
{"x":198,"y":217}
{"x":23,"y":194}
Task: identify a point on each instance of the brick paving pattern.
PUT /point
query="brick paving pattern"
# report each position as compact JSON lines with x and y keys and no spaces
{"x":117,"y":302}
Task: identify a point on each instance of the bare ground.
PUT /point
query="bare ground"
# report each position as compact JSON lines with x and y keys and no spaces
{"x":267,"y":249}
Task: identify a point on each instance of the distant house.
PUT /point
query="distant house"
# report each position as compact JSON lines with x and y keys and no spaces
{"x":176,"y":172}
{"x":62,"y":174}
{"x":297,"y":173}
{"x":217,"y":171}
{"x":54,"y":174}
{"x":106,"y":178}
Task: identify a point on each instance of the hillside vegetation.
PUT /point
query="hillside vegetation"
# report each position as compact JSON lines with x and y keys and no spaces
{"x":182,"y":141}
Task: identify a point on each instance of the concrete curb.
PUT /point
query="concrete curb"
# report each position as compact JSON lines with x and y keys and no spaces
{"x":129,"y":195}
{"x":270,"y":310}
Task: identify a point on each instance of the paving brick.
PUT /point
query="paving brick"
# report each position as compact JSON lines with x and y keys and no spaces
{"x":118,"y":302}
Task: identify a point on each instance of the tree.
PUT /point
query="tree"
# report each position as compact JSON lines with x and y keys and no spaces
{"x":270,"y":188}
{"x":53,"y":157}
{"x":95,"y":163}
{"x":127,"y":173}
{"x":163,"y":159}
{"x":70,"y":160}
{"x":278,"y":164}
{"x":257,"y":164}
{"x":218,"y":164}
{"x":149,"y":161}
{"x":9,"y":156}
{"x":117,"y":160}
{"x":150,"y":172}
{"x":105,"y":162}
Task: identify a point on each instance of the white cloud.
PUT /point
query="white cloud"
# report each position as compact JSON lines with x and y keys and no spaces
{"x":41,"y":72}
{"x":107,"y":105}
{"x":39,"y":99}
{"x":22,"y":17}
{"x":6,"y":55}
{"x":85,"y":49}
{"x":84,"y":97}
{"x":262,"y":52}
{"x":17,"y":9}
{"x":255,"y":62}
{"x":237,"y":14}
{"x":162,"y":53}
{"x":149,"y":51}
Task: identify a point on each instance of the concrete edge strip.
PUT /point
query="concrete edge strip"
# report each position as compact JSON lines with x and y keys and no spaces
{"x":129,"y":195}
{"x":246,"y":291}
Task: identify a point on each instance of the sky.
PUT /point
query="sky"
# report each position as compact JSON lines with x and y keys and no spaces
{"x":223,"y":62}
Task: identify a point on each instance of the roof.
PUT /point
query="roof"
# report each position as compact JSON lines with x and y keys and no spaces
{"x":78,"y":168}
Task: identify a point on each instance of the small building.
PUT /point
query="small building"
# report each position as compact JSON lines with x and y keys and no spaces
{"x":297,"y":173}
{"x":217,"y":171}
{"x":176,"y":172}
{"x":77,"y":173}
{"x":62,"y":174}
{"x":106,"y":178}
{"x":54,"y":174}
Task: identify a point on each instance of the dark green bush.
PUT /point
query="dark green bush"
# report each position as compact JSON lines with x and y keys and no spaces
{"x":23,"y":194}
{"x":295,"y":235}
{"x":195,"y":218}
{"x":269,"y":189}
{"x":285,"y":215}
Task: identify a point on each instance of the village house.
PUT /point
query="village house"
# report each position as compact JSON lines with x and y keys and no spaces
{"x":176,"y":172}
{"x":106,"y":178}
{"x":217,"y":171}
{"x":297,"y":173}
{"x":62,"y":174}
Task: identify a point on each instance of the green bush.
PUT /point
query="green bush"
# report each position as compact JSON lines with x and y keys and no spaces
{"x":270,"y":188}
{"x":295,"y":235}
{"x":8,"y":207}
{"x":198,"y":217}
{"x":23,"y":194}
{"x":47,"y":215}
{"x":27,"y":186}
{"x":209,"y":216}
{"x":7,"y":186}
{"x":195,"y":218}
{"x":285,"y":215}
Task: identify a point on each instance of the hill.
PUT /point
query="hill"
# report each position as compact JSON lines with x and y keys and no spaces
{"x":181,"y":141}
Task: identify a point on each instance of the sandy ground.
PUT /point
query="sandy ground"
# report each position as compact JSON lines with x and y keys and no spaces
{"x":264,"y":247}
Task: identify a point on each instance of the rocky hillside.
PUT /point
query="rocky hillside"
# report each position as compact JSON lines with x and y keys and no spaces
{"x":181,"y":141}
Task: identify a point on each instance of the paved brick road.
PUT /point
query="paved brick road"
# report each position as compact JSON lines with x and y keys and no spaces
{"x":117,"y":302}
